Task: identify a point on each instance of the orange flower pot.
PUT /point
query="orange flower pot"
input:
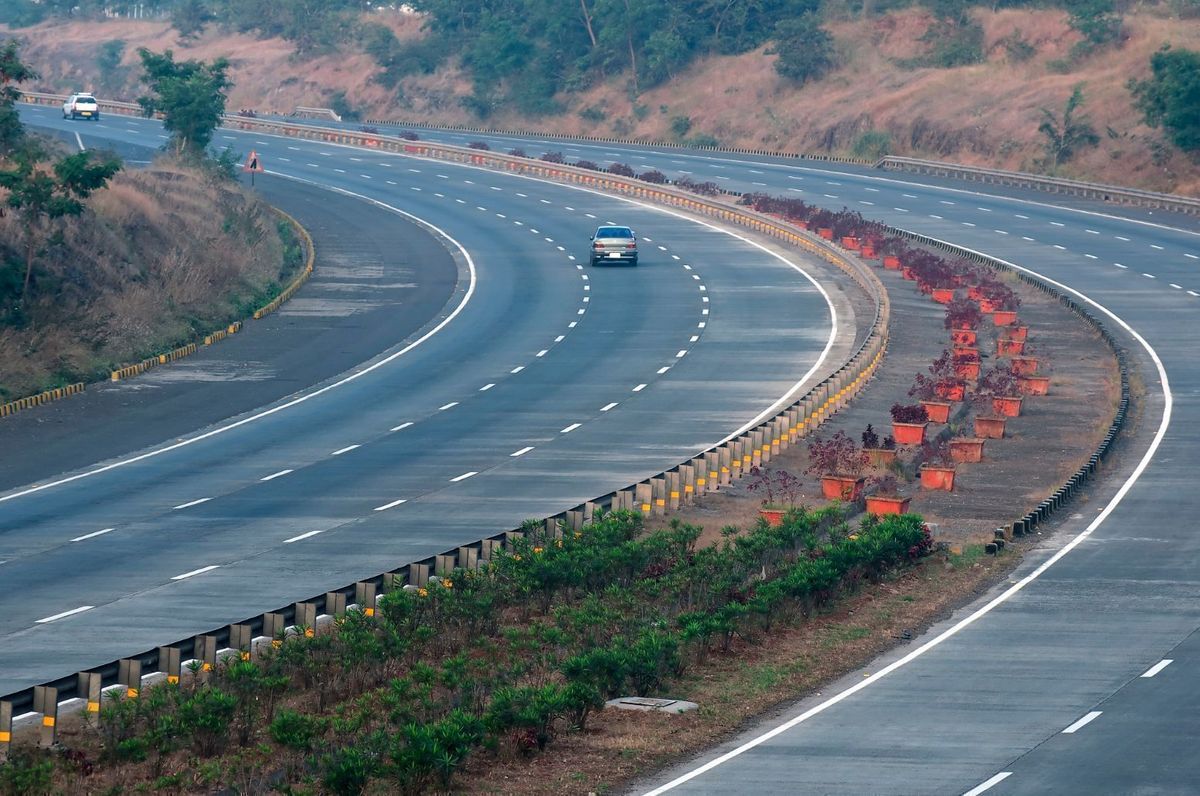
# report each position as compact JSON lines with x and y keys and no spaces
{"x":774,"y":517}
{"x":990,"y":427}
{"x":948,"y":391}
{"x":908,"y":274}
{"x":880,"y":457}
{"x":825,"y":232}
{"x":1009,"y":348}
{"x":887,"y":504}
{"x":908,"y":433}
{"x":1014,"y":333}
{"x":1007,"y":406}
{"x":942,"y":295}
{"x":963,"y":337}
{"x":891,"y":262}
{"x":974,"y":293}
{"x":852,"y":243}
{"x":967,"y":353}
{"x":1004,"y":317}
{"x":967,"y":370}
{"x":966,"y":450}
{"x":1024,"y":366}
{"x":868,"y":252}
{"x":1034,"y":385}
{"x":987,"y":306}
{"x":938,"y":411}
{"x":937,"y":477}
{"x":836,"y":487}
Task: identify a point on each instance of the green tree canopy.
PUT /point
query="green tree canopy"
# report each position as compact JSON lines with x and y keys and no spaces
{"x":805,"y":49}
{"x":189,"y":94}
{"x":1170,"y":97}
{"x":12,"y":72}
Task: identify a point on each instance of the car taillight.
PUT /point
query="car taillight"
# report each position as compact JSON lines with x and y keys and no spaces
{"x":630,"y":245}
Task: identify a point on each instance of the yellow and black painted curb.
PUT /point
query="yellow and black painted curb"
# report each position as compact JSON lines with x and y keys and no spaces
{"x":57,"y":393}
{"x":301,"y":278}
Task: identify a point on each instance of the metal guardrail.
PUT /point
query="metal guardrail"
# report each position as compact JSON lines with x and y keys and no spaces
{"x":707,"y":471}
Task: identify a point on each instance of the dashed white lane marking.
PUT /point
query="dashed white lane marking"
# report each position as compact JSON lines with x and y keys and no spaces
{"x":639,"y":388}
{"x":581,"y":312}
{"x":487,"y":387}
{"x":294,"y":148}
{"x":494,"y":188}
{"x":988,"y":784}
{"x":756,"y":171}
{"x":1091,"y":232}
{"x":357,"y":160}
{"x":65,"y":614}
{"x":1083,"y":722}
{"x":984,"y":209}
{"x":1057,"y":224}
{"x":191,"y":503}
{"x":391,"y":182}
{"x":450,"y":405}
{"x":967,"y":224}
{"x":1018,"y":215}
{"x":367,"y":177}
{"x":830,"y":196}
{"x":469,"y":182}
{"x":795,"y":190}
{"x":519,"y":223}
{"x":1118,"y":265}
{"x":401,"y":427}
{"x":93,"y":534}
{"x":1122,"y":237}
{"x":572,"y":324}
{"x":542,"y":353}
{"x":946,"y":202}
{"x":196,"y":572}
{"x":682,"y":353}
{"x":1156,"y":246}
{"x":1191,"y":256}
{"x":865,"y":202}
{"x":1177,"y":287}
{"x":1193,"y":293}
{"x":999,"y":232}
{"x":284,"y":160}
{"x":391,"y":505}
{"x":696,"y":277}
{"x":700,"y":325}
{"x":568,"y":207}
{"x":517,"y":369}
{"x":1158,"y":667}
{"x":1026,"y":237}
{"x":663,"y":370}
{"x":544,"y":201}
{"x":521,"y":452}
{"x":900,"y":209}
{"x":908,"y":196}
{"x":560,"y":338}
{"x":608,"y":407}
{"x":1091,"y":256}
{"x":464,"y":476}
{"x":273,"y":476}
{"x":340,"y":171}
{"x":501,"y":215}
{"x":687,"y":268}
{"x":308,"y":535}
{"x":1150,"y":276}
{"x":346,"y":449}
{"x":674,"y":256}
{"x":570,"y":428}
{"x":1060,"y":248}
{"x":872,"y":190}
{"x":694,"y":338}
{"x":939,"y":218}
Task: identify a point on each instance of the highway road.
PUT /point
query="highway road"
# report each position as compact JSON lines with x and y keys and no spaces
{"x":541,"y":383}
{"x":1057,"y":681}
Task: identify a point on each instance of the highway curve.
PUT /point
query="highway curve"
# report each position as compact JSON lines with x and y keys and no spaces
{"x":541,"y":384}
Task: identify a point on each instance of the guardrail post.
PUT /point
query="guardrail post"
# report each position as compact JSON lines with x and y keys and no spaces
{"x":644,"y":497}
{"x":274,"y":628}
{"x":45,"y":701}
{"x":306,"y":618}
{"x":674,"y":490}
{"x":87,"y":688}
{"x":725,"y":460}
{"x":468,"y":558}
{"x":659,"y":487}
{"x":364,"y":591}
{"x":418,"y":574}
{"x":748,"y":452}
{"x":575,"y":519}
{"x":129,"y":674}
{"x":240,"y":639}
{"x":443,"y":564}
{"x":762,"y":446}
{"x":687,"y":477}
{"x":335,"y":603}
{"x":6,"y":717}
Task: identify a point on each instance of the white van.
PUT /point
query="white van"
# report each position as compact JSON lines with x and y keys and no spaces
{"x":81,"y":105}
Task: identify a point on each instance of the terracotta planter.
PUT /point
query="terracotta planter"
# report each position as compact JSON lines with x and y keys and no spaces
{"x":967,"y":370}
{"x":891,"y":262}
{"x":887,"y":504}
{"x":1004,"y":317}
{"x":963,"y":337}
{"x":974,"y":293}
{"x":966,"y":353}
{"x":966,"y":450}
{"x":937,"y":477}
{"x":938,"y":411}
{"x":880,"y":457}
{"x":835,"y":487}
{"x":990,"y":427}
{"x":908,"y":433}
{"x":1014,"y":333}
{"x":949,"y":391}
{"x":942,"y":295}
{"x":987,"y":306}
{"x":774,"y":517}
{"x":1009,"y":348}
{"x":825,"y":232}
{"x":908,"y":274}
{"x":1034,"y":385}
{"x":1024,"y":366}
{"x":1007,"y":406}
{"x":868,"y":252}
{"x":852,"y":243}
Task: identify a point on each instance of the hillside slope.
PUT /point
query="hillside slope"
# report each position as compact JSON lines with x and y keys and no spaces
{"x":985,"y":114}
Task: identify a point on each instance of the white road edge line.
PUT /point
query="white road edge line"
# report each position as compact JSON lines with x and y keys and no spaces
{"x":196,"y":572}
{"x":1003,"y":597}
{"x":65,"y":614}
{"x":302,"y":536}
{"x":1158,"y":667}
{"x":988,"y":784}
{"x":93,"y":534}
{"x":1083,"y":722}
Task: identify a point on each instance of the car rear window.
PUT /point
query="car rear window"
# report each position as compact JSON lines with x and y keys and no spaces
{"x":85,"y":99}
{"x":614,"y":232}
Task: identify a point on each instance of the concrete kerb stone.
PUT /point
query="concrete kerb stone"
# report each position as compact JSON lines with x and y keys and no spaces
{"x":45,"y":702}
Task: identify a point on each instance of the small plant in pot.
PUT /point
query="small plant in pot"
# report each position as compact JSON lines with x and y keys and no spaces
{"x":879,"y":453}
{"x":999,"y":387}
{"x":942,"y":382}
{"x":908,"y":423}
{"x":937,"y":465}
{"x":839,"y":463}
{"x":883,"y":496}
{"x":962,"y":319}
{"x":1001,"y":302}
{"x":779,"y":489}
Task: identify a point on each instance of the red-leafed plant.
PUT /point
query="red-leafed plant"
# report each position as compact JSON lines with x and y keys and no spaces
{"x":778,"y":488}
{"x":909,"y":413}
{"x":836,"y":456}
{"x":962,"y":313}
{"x":621,"y":170}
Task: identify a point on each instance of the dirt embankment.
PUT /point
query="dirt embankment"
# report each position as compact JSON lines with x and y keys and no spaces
{"x":162,"y":256}
{"x":984,"y":114}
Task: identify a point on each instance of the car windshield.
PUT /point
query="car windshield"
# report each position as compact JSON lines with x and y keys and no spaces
{"x":614,"y":232}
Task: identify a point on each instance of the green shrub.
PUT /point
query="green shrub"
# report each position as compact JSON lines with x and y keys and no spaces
{"x":205,"y":717}
{"x":296,"y":730}
{"x":872,"y":145}
{"x":27,"y":774}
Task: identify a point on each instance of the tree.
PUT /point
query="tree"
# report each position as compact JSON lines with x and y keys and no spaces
{"x":1065,"y":138}
{"x":12,"y":71}
{"x":805,"y":49}
{"x":1170,"y":97}
{"x":40,"y":197}
{"x":1098,"y":21}
{"x":189,"y":94}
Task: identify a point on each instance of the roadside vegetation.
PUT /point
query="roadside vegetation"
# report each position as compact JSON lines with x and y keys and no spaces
{"x":101,"y":266}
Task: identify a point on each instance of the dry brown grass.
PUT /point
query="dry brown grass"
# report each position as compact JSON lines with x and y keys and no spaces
{"x":162,"y":256}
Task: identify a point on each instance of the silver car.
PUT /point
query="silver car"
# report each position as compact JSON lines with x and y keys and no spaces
{"x":614,"y":245}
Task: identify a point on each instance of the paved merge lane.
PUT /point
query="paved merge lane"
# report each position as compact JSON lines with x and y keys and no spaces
{"x":554,"y":383}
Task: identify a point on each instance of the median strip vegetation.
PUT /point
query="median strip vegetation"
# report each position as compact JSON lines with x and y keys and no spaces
{"x":496,"y":664}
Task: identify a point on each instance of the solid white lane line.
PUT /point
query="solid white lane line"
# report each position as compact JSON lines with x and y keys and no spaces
{"x":302,"y":536}
{"x":273,"y":476}
{"x":65,"y":614}
{"x":1158,"y":667}
{"x":93,"y":534}
{"x":988,"y":784}
{"x":196,"y":572}
{"x":191,"y":503}
{"x":521,"y":452}
{"x":450,"y":405}
{"x":607,"y":407}
{"x":487,"y":387}
{"x":346,"y":449}
{"x":570,"y":428}
{"x":1083,"y":722}
{"x":400,"y":427}
{"x":639,"y":388}
{"x":464,"y":476}
{"x":391,"y":505}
